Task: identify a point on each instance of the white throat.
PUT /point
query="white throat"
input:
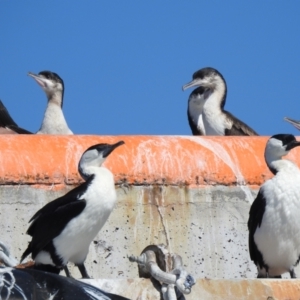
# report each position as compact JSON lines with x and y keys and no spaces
{"x":214,"y":119}
{"x":54,"y":121}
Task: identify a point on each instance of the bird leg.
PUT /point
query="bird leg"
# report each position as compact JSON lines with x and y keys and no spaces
{"x":292,"y":273}
{"x":83,"y":271}
{"x":262,"y":272}
{"x":68,"y":274}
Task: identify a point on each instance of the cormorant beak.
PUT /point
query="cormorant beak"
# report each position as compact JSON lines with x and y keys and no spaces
{"x":292,"y":145}
{"x":111,"y":148}
{"x":194,"y":82}
{"x":39,"y":79}
{"x":293,"y":122}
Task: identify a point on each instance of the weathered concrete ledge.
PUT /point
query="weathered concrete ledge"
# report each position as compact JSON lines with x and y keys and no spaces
{"x":208,"y":289}
{"x":192,"y":194}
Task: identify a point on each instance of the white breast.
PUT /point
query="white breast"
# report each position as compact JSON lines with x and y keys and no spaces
{"x":54,"y":121}
{"x":200,"y":125}
{"x":214,"y":120}
{"x":73,"y":243}
{"x":278,"y":238}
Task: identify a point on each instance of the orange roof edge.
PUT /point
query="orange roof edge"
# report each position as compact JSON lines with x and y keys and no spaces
{"x":172,"y":160}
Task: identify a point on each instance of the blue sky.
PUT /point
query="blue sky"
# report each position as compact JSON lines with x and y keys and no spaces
{"x":124,"y":62}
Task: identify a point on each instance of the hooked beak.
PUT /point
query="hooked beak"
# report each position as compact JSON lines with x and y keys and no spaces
{"x":293,"y":122}
{"x":292,"y":145}
{"x":194,"y":82}
{"x":39,"y":79}
{"x":111,"y":148}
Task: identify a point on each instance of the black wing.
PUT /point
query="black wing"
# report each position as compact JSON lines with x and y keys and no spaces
{"x":51,"y":219}
{"x":238,"y":127}
{"x":71,"y":196}
{"x":193,"y":127}
{"x":51,"y":225}
{"x":198,"y":92}
{"x":7,"y":121}
{"x":256,"y":214}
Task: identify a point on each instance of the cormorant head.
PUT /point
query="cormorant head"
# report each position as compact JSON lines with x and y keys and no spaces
{"x":207,"y":78}
{"x":277,"y":146}
{"x":50,"y":82}
{"x":94,"y":156}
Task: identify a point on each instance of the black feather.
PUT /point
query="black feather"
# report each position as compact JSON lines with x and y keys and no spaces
{"x":50,"y":220}
{"x":238,"y":128}
{"x":256,"y":214}
{"x":6,"y":121}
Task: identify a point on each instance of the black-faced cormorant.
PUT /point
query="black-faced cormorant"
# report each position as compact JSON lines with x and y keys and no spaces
{"x":206,"y":112}
{"x":63,"y":229}
{"x":54,"y":121}
{"x":274,"y":226}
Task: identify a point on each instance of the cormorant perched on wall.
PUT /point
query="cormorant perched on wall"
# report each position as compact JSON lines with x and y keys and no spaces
{"x":54,"y":121}
{"x":63,"y":229}
{"x":274,"y":226}
{"x":206,"y":112}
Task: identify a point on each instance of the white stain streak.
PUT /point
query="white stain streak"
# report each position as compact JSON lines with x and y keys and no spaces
{"x":139,"y":215}
{"x":151,"y":218}
{"x":9,"y":285}
{"x":167,"y":158}
{"x":51,"y":297}
{"x":95,"y":294}
{"x":145,"y":156}
{"x":170,"y":155}
{"x":164,"y":221}
{"x":124,"y":158}
{"x":222,"y":154}
{"x":73,"y":150}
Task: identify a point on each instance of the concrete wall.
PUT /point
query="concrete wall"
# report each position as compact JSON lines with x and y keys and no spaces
{"x":191,"y":193}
